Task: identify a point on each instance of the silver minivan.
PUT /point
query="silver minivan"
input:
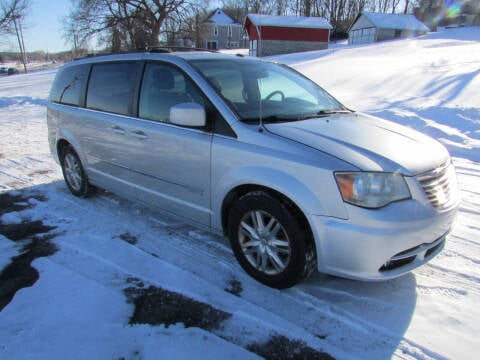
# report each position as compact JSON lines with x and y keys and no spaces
{"x":255,"y":151}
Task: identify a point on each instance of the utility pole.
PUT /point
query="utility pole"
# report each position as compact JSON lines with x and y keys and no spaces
{"x":75,"y":45}
{"x":21,"y":44}
{"x":25,"y":59}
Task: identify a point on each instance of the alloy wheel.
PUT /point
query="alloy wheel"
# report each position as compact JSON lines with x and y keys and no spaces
{"x":264,"y":242}
{"x":73,"y":171}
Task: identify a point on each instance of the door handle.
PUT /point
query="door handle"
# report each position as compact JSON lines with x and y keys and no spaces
{"x":118,"y":130}
{"x":139,"y":134}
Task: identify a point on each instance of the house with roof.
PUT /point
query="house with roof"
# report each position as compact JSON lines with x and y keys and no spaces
{"x":270,"y":35}
{"x":220,"y":31}
{"x":370,"y":27}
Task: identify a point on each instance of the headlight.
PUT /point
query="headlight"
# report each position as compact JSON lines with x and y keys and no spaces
{"x":372,"y":190}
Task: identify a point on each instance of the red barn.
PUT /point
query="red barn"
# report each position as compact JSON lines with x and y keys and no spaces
{"x":271,"y":35}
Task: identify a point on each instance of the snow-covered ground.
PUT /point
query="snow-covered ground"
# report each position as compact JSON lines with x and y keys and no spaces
{"x":105,"y":265}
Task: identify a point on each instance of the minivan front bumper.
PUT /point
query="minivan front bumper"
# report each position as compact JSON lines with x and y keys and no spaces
{"x":381,"y":244}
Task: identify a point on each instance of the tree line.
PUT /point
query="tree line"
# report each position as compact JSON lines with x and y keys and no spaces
{"x":132,"y":24}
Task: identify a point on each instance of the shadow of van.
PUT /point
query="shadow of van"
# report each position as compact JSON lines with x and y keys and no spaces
{"x":380,"y":312}
{"x":21,"y":100}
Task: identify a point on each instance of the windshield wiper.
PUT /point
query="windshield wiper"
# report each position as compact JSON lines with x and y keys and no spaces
{"x":276,"y":118}
{"x":323,"y":113}
{"x":270,"y":119}
{"x":334,"y":111}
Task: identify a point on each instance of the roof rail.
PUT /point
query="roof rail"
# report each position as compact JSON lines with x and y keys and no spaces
{"x":90,"y":55}
{"x":168,"y":49}
{"x":151,"y":49}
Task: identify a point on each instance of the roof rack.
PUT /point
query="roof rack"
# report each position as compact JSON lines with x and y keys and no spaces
{"x":101,"y":53}
{"x":151,"y":49}
{"x":169,"y":49}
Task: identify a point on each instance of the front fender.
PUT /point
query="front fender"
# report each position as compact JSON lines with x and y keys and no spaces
{"x":306,"y":198}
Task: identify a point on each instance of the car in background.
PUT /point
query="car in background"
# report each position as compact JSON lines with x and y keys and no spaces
{"x":8,"y":71}
{"x":12,"y":71}
{"x":258,"y":152}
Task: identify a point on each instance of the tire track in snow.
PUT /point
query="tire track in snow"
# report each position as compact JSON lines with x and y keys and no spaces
{"x":442,"y":291}
{"x":259,"y":323}
{"x":208,"y":257}
{"x":468,"y":260}
{"x":211,"y":258}
{"x":406,"y":347}
{"x":314,"y":315}
{"x":14,"y":177}
{"x":216,"y":249}
{"x":27,"y":171}
{"x":450,"y":276}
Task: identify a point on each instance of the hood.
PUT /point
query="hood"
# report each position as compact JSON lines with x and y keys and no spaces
{"x":367,"y":142}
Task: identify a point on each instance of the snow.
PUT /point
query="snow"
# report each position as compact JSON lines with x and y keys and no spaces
{"x":86,"y":320}
{"x":11,"y":218}
{"x":78,"y":309}
{"x":289,"y":21}
{"x":8,"y":250}
{"x":395,"y":21}
{"x":428,"y":83}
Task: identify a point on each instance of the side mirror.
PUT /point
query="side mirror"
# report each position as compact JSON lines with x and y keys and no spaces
{"x":188,"y":114}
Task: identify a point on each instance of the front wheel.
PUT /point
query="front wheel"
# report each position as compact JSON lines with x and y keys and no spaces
{"x":73,"y":172}
{"x":268,"y":240}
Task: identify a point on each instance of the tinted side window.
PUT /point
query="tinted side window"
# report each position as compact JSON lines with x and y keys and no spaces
{"x":164,"y":86}
{"x":111,"y":87}
{"x":69,"y":85}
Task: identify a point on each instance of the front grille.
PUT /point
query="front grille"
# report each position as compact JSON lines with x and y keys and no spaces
{"x":440,"y":186}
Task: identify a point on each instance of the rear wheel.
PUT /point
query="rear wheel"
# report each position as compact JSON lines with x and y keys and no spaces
{"x":268,"y":240}
{"x":73,"y":172}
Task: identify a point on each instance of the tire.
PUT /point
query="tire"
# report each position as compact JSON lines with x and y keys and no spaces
{"x":73,"y":172}
{"x":269,"y":242}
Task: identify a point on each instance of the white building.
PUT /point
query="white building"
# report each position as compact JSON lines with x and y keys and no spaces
{"x":220,"y":31}
{"x":371,"y":27}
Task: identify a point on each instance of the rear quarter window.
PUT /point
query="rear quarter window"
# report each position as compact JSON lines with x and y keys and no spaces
{"x":69,"y":85}
{"x":111,"y":87}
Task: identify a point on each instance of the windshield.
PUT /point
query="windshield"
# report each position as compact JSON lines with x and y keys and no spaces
{"x":272,"y":92}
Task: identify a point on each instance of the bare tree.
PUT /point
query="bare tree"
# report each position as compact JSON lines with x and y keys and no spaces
{"x":12,"y":13}
{"x":9,"y":11}
{"x":395,"y":3}
{"x":71,"y":35}
{"x":124,"y":23}
{"x":430,"y":12}
{"x":340,"y":13}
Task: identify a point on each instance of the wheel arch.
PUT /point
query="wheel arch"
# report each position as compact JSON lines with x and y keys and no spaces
{"x":73,"y":170}
{"x":61,"y":144}
{"x":241,"y":190}
{"x":66,"y":138}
